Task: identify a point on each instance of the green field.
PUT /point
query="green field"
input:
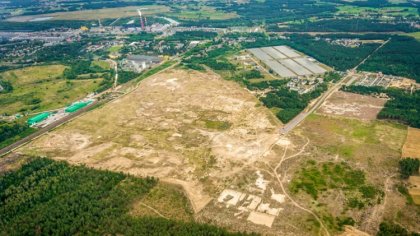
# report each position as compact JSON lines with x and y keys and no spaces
{"x":385,"y":11}
{"x":102,"y":64}
{"x":191,"y":12}
{"x":115,"y":48}
{"x":40,"y":88}
{"x":415,"y":35}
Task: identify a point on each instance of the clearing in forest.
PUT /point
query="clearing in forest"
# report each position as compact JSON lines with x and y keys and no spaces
{"x":185,"y":127}
{"x":352,"y":105}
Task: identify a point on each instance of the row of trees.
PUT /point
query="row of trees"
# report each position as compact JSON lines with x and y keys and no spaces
{"x":46,"y":197}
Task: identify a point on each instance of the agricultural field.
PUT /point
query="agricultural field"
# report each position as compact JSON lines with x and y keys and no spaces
{"x":385,"y":11}
{"x":353,"y":105}
{"x":411,"y":146}
{"x":210,"y":127}
{"x":40,"y":88}
{"x":105,"y":13}
{"x":195,"y":13}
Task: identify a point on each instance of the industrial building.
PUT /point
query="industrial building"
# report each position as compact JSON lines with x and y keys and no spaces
{"x":287,"y":62}
{"x":138,"y":63}
{"x":38,"y":118}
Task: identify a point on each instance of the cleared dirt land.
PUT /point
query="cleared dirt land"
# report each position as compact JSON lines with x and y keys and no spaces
{"x":189,"y":128}
{"x":412,"y":144}
{"x":352,"y":105}
{"x":106,"y":13}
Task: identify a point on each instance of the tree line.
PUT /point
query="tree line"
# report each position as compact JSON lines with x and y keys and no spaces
{"x":46,"y":197}
{"x":403,"y":106}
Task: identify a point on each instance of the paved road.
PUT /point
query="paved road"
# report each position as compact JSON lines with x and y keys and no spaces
{"x":299,"y":118}
{"x":346,"y":79}
{"x":44,"y":130}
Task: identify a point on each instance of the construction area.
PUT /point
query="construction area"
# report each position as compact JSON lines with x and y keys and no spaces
{"x":352,"y":105}
{"x":185,"y":127}
{"x":370,"y":79}
{"x":286,"y":62}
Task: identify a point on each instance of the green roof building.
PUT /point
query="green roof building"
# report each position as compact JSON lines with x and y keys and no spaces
{"x":38,"y":118}
{"x":77,"y":106}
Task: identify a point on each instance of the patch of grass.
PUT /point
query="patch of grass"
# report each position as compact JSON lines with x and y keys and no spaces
{"x":404,"y":191}
{"x":386,"y":11}
{"x":415,"y":35}
{"x":195,"y":13}
{"x":102,"y":64}
{"x":217,"y":125}
{"x":170,"y":200}
{"x":115,"y":48}
{"x":342,"y":150}
{"x":316,"y":178}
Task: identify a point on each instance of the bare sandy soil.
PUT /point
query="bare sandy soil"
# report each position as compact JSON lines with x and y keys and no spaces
{"x":352,"y":105}
{"x":411,"y":147}
{"x":184,"y":127}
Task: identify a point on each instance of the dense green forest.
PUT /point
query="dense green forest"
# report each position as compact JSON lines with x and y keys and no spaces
{"x":46,"y":197}
{"x":400,"y":56}
{"x":402,"y":106}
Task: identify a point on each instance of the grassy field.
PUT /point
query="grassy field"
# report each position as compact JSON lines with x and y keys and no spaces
{"x":41,"y":88}
{"x":102,"y":64}
{"x":415,"y":35}
{"x":115,"y":48}
{"x":169,"y":200}
{"x":106,"y":13}
{"x":199,"y":13}
{"x":386,"y":11}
